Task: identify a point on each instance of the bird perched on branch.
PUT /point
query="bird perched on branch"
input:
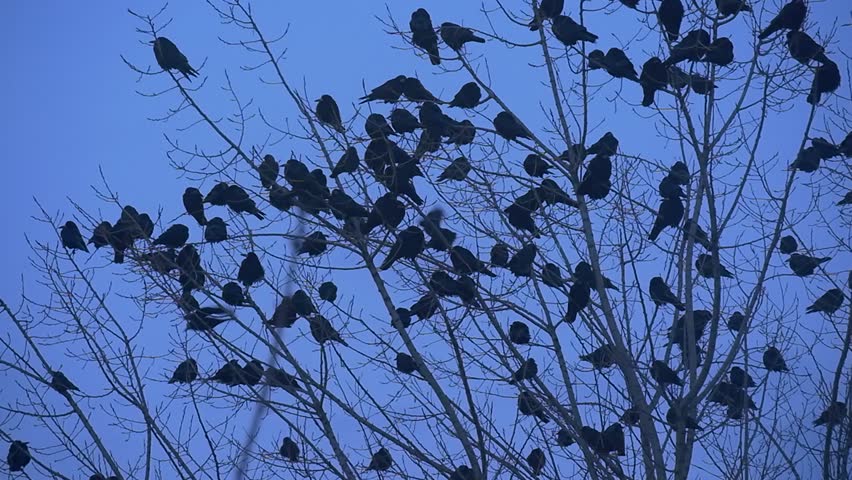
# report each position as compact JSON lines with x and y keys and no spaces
{"x":381,"y":460}
{"x":547,"y":9}
{"x":71,"y":237}
{"x":528,"y":404}
{"x":193,"y":203}
{"x":423,"y":34}
{"x":569,"y":32}
{"x":670,"y":15}
{"x":774,"y":361}
{"x":328,"y":113}
{"x":669,"y":215}
{"x":185,"y":372}
{"x":409,"y":244}
{"x":388,"y":92}
{"x":829,"y":302}
{"x":455,"y":36}
{"x":791,"y":17}
{"x":170,"y":58}
{"x":468,"y":96}
{"x":804,"y":265}
{"x":661,"y":294}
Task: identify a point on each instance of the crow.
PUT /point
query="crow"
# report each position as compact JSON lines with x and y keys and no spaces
{"x":403,"y":318}
{"x":239,"y":202}
{"x":670,"y":15}
{"x":661,"y":294}
{"x":403,"y":121}
{"x":826,"y":80}
{"x":519,"y":333}
{"x":425,"y":307}
{"x":804,"y":265}
{"x":377,"y":127}
{"x":328,"y":113}
{"x":740,"y":378}
{"x":569,"y":32}
{"x":468,"y":96}
{"x":455,"y":36}
{"x":100,"y":235}
{"x":323,"y":331}
{"x":276,"y":377}
{"x":700,"y":236}
{"x":232,"y":294}
{"x":596,"y":179}
{"x":387,"y":211}
{"x":664,"y":375}
{"x":618,"y":65}
{"x":606,"y":146}
{"x":774,"y":361}
{"x":193,"y":202}
{"x":527,"y":370}
{"x":678,"y":419}
{"x":833,"y":415}
{"x":720,"y":52}
{"x":521,"y":262}
{"x":456,"y":170}
{"x":653,"y":77}
{"x":409,"y":244}
{"x":170,"y":58}
{"x":381,"y":460}
{"x":788,"y":245}
{"x":613,"y":439}
{"x":289,"y":450}
{"x":693,"y":46}
{"x":829,"y":302}
{"x":500,"y":255}
{"x":313,"y":244}
{"x":732,"y":7}
{"x":536,"y":166}
{"x":465,"y":262}
{"x":706,"y":268}
{"x":508,"y":127}
{"x":547,"y":9}
{"x":217,"y":195}
{"x":669,"y":215}
{"x":528,"y":404}
{"x":735,"y":322}
{"x":229,"y":374}
{"x":601,"y":358}
{"x":18,"y":456}
{"x":251,"y":271}
{"x":174,"y":236}
{"x":61,"y":383}
{"x":71,"y":237}
{"x":536,"y":461}
{"x":846,"y":200}
{"x":578,"y":298}
{"x":216,"y":230}
{"x":423,"y":34}
{"x":405,"y":363}
{"x":551,"y":276}
{"x":251,"y":373}
{"x":414,"y":90}
{"x":389,"y":92}
{"x":803,"y":48}
{"x":669,"y":188}
{"x":563,"y":438}
{"x":791,"y":17}
{"x":185,"y":372}
{"x":521,"y":219}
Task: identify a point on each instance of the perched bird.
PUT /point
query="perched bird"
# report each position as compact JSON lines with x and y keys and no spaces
{"x":678,"y":332}
{"x":508,"y":127}
{"x":289,"y":450}
{"x":285,"y":314}
{"x":547,"y":9}
{"x":804,"y":265}
{"x":706,"y":268}
{"x":613,"y":439}
{"x":519,"y":333}
{"x":170,"y":58}
{"x":465,"y":262}
{"x":669,"y":188}
{"x":691,"y":47}
{"x":343,"y":206}
{"x":414,"y":90}
{"x":500,"y":255}
{"x":468,"y":96}
{"x":463,"y":472}
{"x":594,"y":439}
{"x":193,"y":202}
{"x":787,"y":245}
{"x":569,"y":32}
{"x":521,"y":219}
{"x":323,"y":331}
{"x":387,"y":211}
{"x":807,"y":160}
{"x":824,"y":148}
{"x":405,"y":363}
{"x":232,"y":294}
{"x":423,"y":34}
{"x":630,"y":417}
{"x":268,"y":169}
{"x":679,"y":419}
{"x":596,"y":179}
{"x":536,"y":461}
{"x":578,"y":298}
{"x":441,"y":239}
{"x":377,"y":127}
{"x":670,"y":15}
{"x":185,"y":372}
{"x":229,"y":374}
{"x":536,"y":166}
{"x":389,"y":92}
{"x":328,"y":291}
{"x":174,"y":236}
{"x":381,"y":460}
{"x":425,"y":307}
{"x":774,"y":361}
{"x":661,"y":294}
{"x":606,"y":146}
{"x":217,"y":195}
{"x":403,"y":318}
{"x":791,"y":17}
{"x":302,"y":304}
{"x":677,"y":78}
{"x":527,"y":370}
{"x":669,"y":215}
{"x":826,"y":80}
{"x":584,"y":273}
{"x":61,"y":384}
{"x":528,"y":405}
{"x":829,"y":302}
{"x":461,"y":133}
{"x":216,"y":230}
{"x":701,"y":85}
{"x":833,"y":415}
{"x":18,"y":456}
{"x":618,"y":65}
{"x":100,"y":235}
{"x":349,"y":162}
{"x":403,"y":121}
{"x":732,"y":7}
{"x":239,"y":202}
{"x":521,"y":262}
{"x":735,"y":322}
{"x":720,"y":52}
{"x":596,"y":60}
{"x":455,"y":36}
{"x":206,"y":318}
{"x":740,"y":378}
{"x":278,"y":378}
{"x":601,"y":358}
{"x":251,"y":372}
{"x":466,"y":291}
{"x":846,"y":200}
{"x":664,"y":375}
{"x":680,"y":173}
{"x":71,"y":237}
{"x":328,"y":113}
{"x":698,"y":235}
{"x":564,"y":438}
{"x":251,"y":271}
{"x":409,"y":244}
{"x":803,"y":48}
{"x":456,"y":170}
{"x":653,"y":77}
{"x":551,"y":276}
{"x":313,"y":244}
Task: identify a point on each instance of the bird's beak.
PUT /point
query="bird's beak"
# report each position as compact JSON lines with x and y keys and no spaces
{"x":152,"y":42}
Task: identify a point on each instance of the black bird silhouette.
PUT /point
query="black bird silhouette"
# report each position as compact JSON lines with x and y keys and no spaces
{"x":232,"y":294}
{"x":846,"y":200}
{"x":468,"y":96}
{"x":61,"y":384}
{"x":677,"y":78}
{"x":433,"y":119}
{"x":425,"y":307}
{"x":463,"y":472}
{"x":268,"y":170}
{"x":251,"y":373}
{"x":833,"y":415}
{"x":441,"y":239}
{"x":618,"y":65}
{"x":527,"y":370}
{"x":691,"y":47}
{"x":170,"y":58}
{"x":720,"y":52}
{"x":313,"y":244}
{"x":596,"y":179}
{"x":405,"y":363}
{"x":613,"y":439}
{"x":465,"y":262}
{"x":456,"y":170}
{"x":217,"y":195}
{"x":735,"y":322}
{"x":402,"y":121}
{"x":584,"y":273}
{"x":409,"y":244}
{"x":229,"y":374}
{"x":343,"y":206}
{"x":328,"y":291}
{"x":18,"y":456}
{"x":700,"y":236}
{"x":466,"y":291}
{"x":423,"y":34}
{"x":289,"y":450}
{"x":387,"y":211}
{"x":732,"y":7}
{"x":807,"y":160}
{"x":804,"y":265}
{"x":519,"y":333}
{"x":653,"y":77}
{"x":803,"y":48}
{"x":606,"y":146}
{"x":670,"y":15}
{"x":546,"y":9}
{"x":825,"y":148}
{"x":787,"y":245}
{"x":521,"y":262}
{"x":403,"y":319}
{"x":679,"y":419}
{"x":670,"y":188}
{"x":520,"y":218}
{"x":455,"y":36}
{"x":174,"y":236}
{"x":251,"y":271}
{"x":536,"y":461}
{"x":829,"y":302}
{"x":705,"y":267}
{"x":414,"y":90}
{"x":678,"y":333}
{"x":278,"y":378}
{"x":381,"y":460}
{"x":601,"y":358}
{"x":349,"y":162}
{"x":578,"y":298}
{"x":630,"y":417}
{"x":740,"y":378}
{"x":193,"y":202}
{"x":508,"y":127}
{"x":389,"y":92}
{"x":701,"y":85}
{"x":664,"y":375}
{"x":185,"y":372}
{"x":774,"y":361}
{"x":461,"y":133}
{"x":594,"y":439}
{"x":100,"y":235}
{"x":661,"y":294}
{"x":120,"y":240}
{"x":528,"y":404}
{"x":285,"y":314}
{"x":205,"y":318}
{"x":826,"y":80}
{"x":680,"y":173}
{"x":569,"y":32}
{"x":377,"y":127}
{"x":551,"y":276}
{"x":323,"y":331}
{"x":216,"y":230}
{"x":500,"y":255}
{"x":71,"y":237}
{"x":791,"y":17}
{"x":536,"y":166}
{"x":328,"y":113}
{"x":596,"y":60}
{"x":669,"y":215}
{"x":239,"y":202}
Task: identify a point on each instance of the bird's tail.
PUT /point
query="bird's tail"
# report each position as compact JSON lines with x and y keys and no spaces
{"x":257,"y":213}
{"x":118,"y":257}
{"x":648,"y":96}
{"x":534,"y":25}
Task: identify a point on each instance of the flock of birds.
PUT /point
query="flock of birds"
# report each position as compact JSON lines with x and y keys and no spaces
{"x":169,"y":253}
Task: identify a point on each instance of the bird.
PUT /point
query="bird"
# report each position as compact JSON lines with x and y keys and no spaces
{"x":829,"y":302}
{"x":536,"y":461}
{"x":461,"y":133}
{"x":441,"y":239}
{"x":323,"y":331}
{"x":803,"y":48}
{"x":327,"y":291}
{"x":706,"y":268}
{"x":670,"y":188}
{"x":425,"y":307}
{"x":403,"y":121}
{"x":846,"y":200}
{"x":569,"y":32}
{"x":387,"y":211}
{"x":193,"y":203}
{"x":670,"y":15}
{"x":278,"y":378}
{"x":563,"y":438}
{"x":701,"y":85}
{"x":313,"y":244}
{"x":232,"y":294}
{"x":613,"y":439}
{"x":596,"y":60}
{"x":826,"y":80}
{"x":414,"y":90}
{"x":791,"y":17}
{"x":423,"y":34}
{"x":807,"y":160}
{"x":409,"y":243}
{"x":653,"y":77}
{"x":403,"y":318}
{"x":578,"y":298}
{"x":787,"y":244}
{"x":720,"y":52}
{"x":465,"y":262}
{"x":678,"y":332}
{"x":229,"y":374}
{"x":677,"y":78}
{"x":185,"y":372}
{"x":699,"y":235}
{"x":100,"y":235}
{"x":691,"y":47}
{"x":616,"y":63}
{"x":606,"y":146}
{"x":630,"y":417}
{"x":71,"y":237}
{"x":601,"y":358}
{"x":735,"y":322}
{"x":833,"y":415}
{"x":456,"y":170}
{"x":285,"y":314}
{"x":527,"y":370}
{"x":547,"y":9}
{"x":679,"y":419}
{"x":664,"y":375}
{"x":251,"y":373}
{"x":463,"y":472}
{"x":669,"y":215}
{"x":169,"y":57}
{"x":528,"y":405}
{"x":216,"y":230}
{"x":18,"y":456}
{"x":740,"y":378}
{"x":468,"y":96}
{"x":661,"y":294}
{"x":680,"y":173}
{"x":536,"y":166}
{"x":217,"y":195}
{"x":522,"y":261}
{"x":774,"y":361}
{"x":521,"y":219}
{"x":732,"y":7}
{"x":174,"y":236}
{"x":508,"y":127}
{"x":824,"y":148}
{"x":61,"y":383}
{"x":239,"y":202}
{"x":500,"y":255}
{"x":455,"y":36}
{"x":343,"y":206}
{"x":596,"y":179}
{"x":433,"y":119}
{"x":551,"y":276}
{"x":388,"y":92}
{"x":804,"y":265}
{"x":268,"y":170}
{"x":381,"y":460}
{"x":405,"y":363}
{"x":584,"y":273}
{"x":289,"y":450}
{"x":519,"y":333}
{"x":328,"y":112}
{"x":377,"y":127}
{"x":251,"y":271}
